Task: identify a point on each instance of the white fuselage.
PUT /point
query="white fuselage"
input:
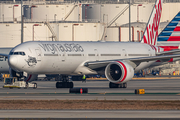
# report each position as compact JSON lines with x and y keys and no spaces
{"x":69,"y":57}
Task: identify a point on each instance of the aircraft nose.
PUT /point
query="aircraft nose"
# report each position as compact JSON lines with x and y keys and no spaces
{"x":12,"y":61}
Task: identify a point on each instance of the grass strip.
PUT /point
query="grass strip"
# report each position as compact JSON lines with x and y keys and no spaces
{"x":91,"y":104}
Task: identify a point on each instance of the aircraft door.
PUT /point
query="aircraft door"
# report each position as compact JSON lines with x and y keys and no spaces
{"x":96,"y":54}
{"x":150,"y":54}
{"x":124,"y":54}
{"x":38,"y":53}
{"x":63,"y":57}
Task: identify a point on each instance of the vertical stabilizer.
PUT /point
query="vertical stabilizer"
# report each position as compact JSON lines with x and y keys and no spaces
{"x":151,"y":32}
{"x":172,"y":31}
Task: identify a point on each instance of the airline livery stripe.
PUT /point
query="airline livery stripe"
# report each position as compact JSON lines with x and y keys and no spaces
{"x":125,"y":71}
{"x":176,"y":34}
{"x":174,"y":38}
{"x":171,"y":31}
{"x":166,"y":33}
{"x":168,"y":48}
{"x":173,"y":24}
{"x":175,"y":21}
{"x":177,"y":28}
{"x":168,"y":29}
{"x":163,"y":38}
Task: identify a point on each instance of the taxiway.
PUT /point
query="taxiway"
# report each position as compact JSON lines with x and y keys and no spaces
{"x":155,"y":89}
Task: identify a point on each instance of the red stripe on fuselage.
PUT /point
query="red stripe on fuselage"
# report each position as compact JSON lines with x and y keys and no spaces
{"x":125,"y":71}
{"x":167,"y":48}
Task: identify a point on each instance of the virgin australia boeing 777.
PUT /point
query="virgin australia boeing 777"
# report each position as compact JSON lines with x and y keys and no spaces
{"x":117,"y":60}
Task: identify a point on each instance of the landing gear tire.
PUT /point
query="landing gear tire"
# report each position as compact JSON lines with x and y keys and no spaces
{"x":113,"y":85}
{"x":59,"y":85}
{"x":71,"y":85}
{"x":121,"y":85}
{"x":124,"y":85}
{"x":35,"y":85}
{"x":26,"y":86}
{"x":64,"y":85}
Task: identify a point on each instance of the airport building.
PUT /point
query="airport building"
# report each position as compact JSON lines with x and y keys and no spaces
{"x":78,"y":20}
{"x":73,"y":20}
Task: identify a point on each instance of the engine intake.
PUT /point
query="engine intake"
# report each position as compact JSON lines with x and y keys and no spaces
{"x":119,"y":72}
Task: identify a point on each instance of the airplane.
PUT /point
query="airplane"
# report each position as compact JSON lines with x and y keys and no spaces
{"x":169,"y":38}
{"x":117,"y":60}
{"x":4,"y":67}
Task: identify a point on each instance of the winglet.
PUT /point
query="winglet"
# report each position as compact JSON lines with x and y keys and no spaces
{"x":172,"y":31}
{"x":151,"y":32}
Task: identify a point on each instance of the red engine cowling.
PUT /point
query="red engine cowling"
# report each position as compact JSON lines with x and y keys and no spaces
{"x":119,"y":72}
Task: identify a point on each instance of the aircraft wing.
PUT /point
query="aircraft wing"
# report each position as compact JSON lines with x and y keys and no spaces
{"x":4,"y":55}
{"x":169,"y":52}
{"x":94,"y":65}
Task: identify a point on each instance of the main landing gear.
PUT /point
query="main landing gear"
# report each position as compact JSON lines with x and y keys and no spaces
{"x":113,"y":85}
{"x":65,"y":82}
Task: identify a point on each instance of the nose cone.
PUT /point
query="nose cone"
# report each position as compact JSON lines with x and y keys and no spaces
{"x":12,"y":61}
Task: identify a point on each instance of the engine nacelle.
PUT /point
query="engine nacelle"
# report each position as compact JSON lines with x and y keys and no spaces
{"x":119,"y":72}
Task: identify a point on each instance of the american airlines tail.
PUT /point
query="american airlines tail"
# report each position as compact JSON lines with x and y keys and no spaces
{"x":169,"y":38}
{"x":151,"y":32}
{"x":172,"y":31}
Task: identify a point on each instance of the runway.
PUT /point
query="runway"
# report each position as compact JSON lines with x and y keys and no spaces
{"x":165,"y":114}
{"x":155,"y":89}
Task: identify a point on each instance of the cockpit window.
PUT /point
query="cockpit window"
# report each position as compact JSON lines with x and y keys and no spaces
{"x":17,"y":53}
